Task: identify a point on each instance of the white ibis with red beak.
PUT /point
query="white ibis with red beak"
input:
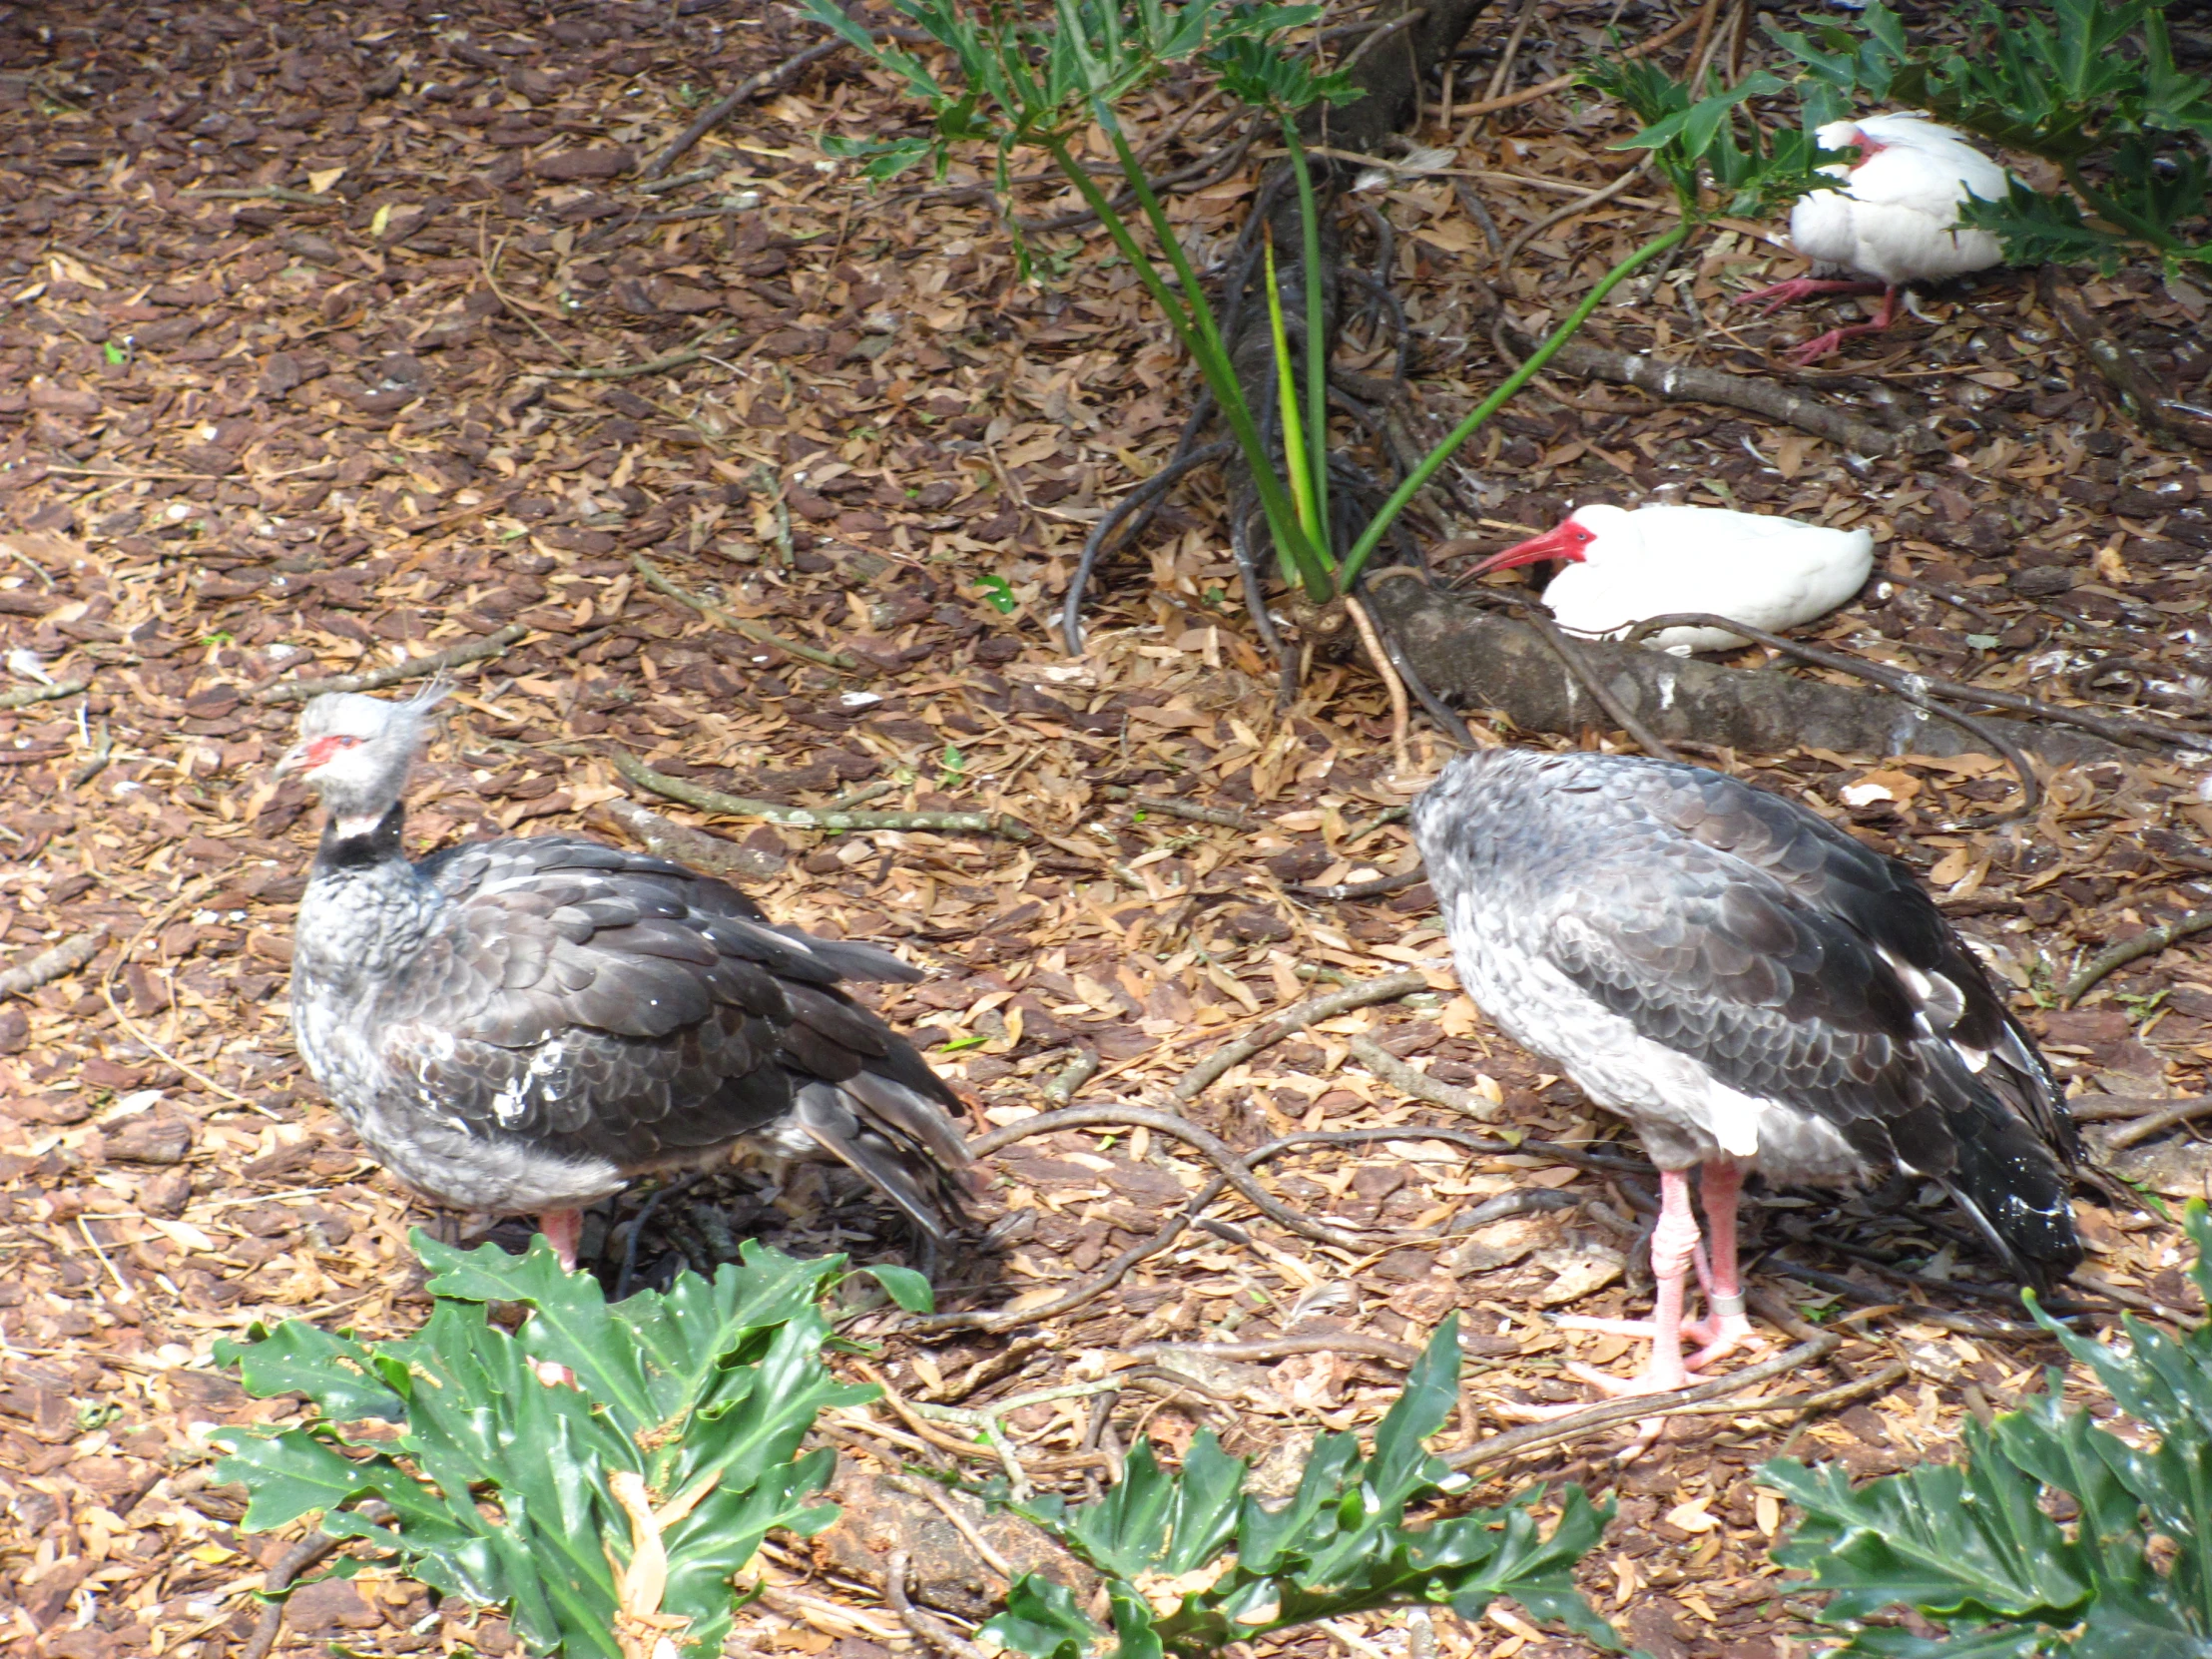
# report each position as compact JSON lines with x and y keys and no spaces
{"x":1894,"y":222}
{"x":523,"y":1025}
{"x":1625,"y":565}
{"x":1752,"y":989}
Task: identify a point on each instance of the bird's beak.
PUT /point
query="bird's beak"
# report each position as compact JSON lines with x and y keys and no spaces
{"x":1553,"y":544}
{"x":302,"y":755}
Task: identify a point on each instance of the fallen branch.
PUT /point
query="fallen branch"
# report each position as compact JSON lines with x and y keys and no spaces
{"x":1684,"y":382}
{"x":67,"y":957}
{"x":1282,"y":1348}
{"x":414,"y":668}
{"x":807,"y":818}
{"x":1641,"y":1407}
{"x":2147,"y":943}
{"x":922,"y":1626}
{"x":2143,"y":1129}
{"x":756,"y":631}
{"x":1071,"y":1077}
{"x":1404,"y":1079}
{"x":1375,"y":889}
{"x":681,"y":843}
{"x":24,"y":696}
{"x":1297,"y":1017}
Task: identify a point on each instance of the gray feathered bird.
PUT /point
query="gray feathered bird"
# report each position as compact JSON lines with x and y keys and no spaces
{"x":1751,"y":988}
{"x":522,"y":1025}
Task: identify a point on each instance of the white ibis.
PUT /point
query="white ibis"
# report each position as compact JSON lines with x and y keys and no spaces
{"x":1752,"y":989}
{"x":1894,"y":220}
{"x":525,"y":1025}
{"x":1626,"y":565}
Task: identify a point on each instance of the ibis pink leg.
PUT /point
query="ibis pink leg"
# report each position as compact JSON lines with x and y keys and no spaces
{"x":564,"y":1230}
{"x":1822,"y":345}
{"x":1803,"y":287}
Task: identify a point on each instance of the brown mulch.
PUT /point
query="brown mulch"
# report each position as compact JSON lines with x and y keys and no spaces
{"x":247,"y":438}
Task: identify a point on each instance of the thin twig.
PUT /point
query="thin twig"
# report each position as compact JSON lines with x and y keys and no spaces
{"x":809,"y":818}
{"x":1404,"y":1079}
{"x":680,"y":844}
{"x":1297,"y":1017}
{"x":682,"y":356}
{"x":24,"y":696}
{"x":1402,"y":715}
{"x":2143,"y":1129}
{"x":1596,"y":198}
{"x":1375,"y":889}
{"x":1224,"y":818}
{"x":265,"y":192}
{"x":1560,"y":83}
{"x":716,"y":112}
{"x":1217,"y":1151}
{"x":414,"y":668}
{"x":48,"y":965}
{"x":1579,"y":671}
{"x":752,"y":630}
{"x":2147,"y":943}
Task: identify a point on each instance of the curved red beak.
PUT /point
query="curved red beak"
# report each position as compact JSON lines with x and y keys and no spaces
{"x":1559,"y":543}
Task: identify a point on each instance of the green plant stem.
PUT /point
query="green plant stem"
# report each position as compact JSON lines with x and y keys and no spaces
{"x":1354,"y":562}
{"x":1294,"y":461}
{"x":1193,"y":327}
{"x":1317,"y":340}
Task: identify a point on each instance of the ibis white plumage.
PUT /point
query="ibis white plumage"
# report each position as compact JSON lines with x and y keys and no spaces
{"x":1895,"y":220}
{"x":1625,"y":565}
{"x":1751,"y":988}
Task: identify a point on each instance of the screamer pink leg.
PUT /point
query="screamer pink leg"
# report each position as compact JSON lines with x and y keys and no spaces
{"x":1674,"y":1252}
{"x":564,"y":1230}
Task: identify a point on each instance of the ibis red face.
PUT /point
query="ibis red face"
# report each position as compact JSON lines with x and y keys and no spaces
{"x":1569,"y":541}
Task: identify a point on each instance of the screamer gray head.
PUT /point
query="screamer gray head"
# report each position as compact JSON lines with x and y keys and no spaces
{"x":355,"y":752}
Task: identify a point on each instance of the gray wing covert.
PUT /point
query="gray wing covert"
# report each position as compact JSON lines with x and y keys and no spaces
{"x":601,"y":1002}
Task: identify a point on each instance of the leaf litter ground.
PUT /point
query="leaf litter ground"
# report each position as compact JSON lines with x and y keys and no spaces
{"x":318,"y":340}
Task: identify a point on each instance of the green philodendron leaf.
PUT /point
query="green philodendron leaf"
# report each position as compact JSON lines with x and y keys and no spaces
{"x":910,"y":1289}
{"x":1041,"y":1619}
{"x":1193,"y":1562}
{"x":1973,"y":1547}
{"x":500,"y":1481}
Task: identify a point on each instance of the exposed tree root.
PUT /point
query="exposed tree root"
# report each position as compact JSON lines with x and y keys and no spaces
{"x":809,"y":817}
{"x":1482,"y":660}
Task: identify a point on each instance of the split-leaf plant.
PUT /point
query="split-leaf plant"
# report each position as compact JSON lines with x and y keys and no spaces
{"x":2051,"y":1534}
{"x":1047,"y":81}
{"x":1193,"y":1562}
{"x":600,"y":1473}
{"x":2089,"y":84}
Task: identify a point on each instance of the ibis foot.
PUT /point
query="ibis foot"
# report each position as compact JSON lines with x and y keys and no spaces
{"x":1803,"y":287}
